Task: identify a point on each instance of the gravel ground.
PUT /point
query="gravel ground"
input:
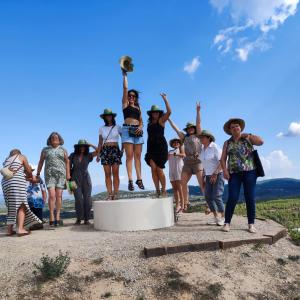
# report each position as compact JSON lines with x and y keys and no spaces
{"x":112,"y":263}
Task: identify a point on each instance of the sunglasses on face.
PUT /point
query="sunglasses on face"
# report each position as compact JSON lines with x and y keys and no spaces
{"x":131,"y":96}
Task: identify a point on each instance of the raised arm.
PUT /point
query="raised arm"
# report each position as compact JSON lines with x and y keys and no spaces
{"x":167,"y":114}
{"x":198,"y":118}
{"x":254,"y":139}
{"x":125,"y":90}
{"x":179,"y":133}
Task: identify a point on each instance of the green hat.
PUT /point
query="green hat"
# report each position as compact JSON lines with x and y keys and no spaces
{"x":107,"y":112}
{"x":82,"y":142}
{"x":189,"y":125}
{"x":207,"y":134}
{"x":239,"y":121}
{"x":154,"y":108}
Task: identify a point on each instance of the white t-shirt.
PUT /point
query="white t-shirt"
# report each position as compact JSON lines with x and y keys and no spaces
{"x":210,"y":158}
{"x":113,"y":133}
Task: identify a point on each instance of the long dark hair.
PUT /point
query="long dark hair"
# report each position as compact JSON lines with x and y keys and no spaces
{"x":61,"y":140}
{"x":150,"y":117}
{"x":137,"y":96}
{"x":86,"y":149}
{"x":113,"y":121}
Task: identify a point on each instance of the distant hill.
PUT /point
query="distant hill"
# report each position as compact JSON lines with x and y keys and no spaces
{"x":265,"y":189}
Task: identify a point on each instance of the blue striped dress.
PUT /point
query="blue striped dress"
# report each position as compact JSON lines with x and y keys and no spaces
{"x":15,"y":194}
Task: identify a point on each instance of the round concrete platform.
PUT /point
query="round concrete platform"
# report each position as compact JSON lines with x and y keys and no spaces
{"x":133,"y":214}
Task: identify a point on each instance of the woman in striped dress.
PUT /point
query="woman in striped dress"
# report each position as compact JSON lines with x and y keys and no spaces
{"x":15,"y":195}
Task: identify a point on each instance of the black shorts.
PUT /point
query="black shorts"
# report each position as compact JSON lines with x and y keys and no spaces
{"x":111,"y":155}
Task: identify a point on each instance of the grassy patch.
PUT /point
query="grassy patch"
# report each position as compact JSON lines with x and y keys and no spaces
{"x":51,"y":268}
{"x":283,"y":211}
{"x":211,"y":292}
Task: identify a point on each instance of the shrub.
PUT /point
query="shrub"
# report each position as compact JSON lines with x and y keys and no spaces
{"x":51,"y":268}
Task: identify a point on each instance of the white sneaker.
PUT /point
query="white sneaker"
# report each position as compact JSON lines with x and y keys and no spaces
{"x":252,"y":229}
{"x":220,"y":221}
{"x":226,"y":228}
{"x":213,"y":221}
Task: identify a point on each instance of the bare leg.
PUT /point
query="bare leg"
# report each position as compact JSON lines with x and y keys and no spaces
{"x":129,"y":158}
{"x":10,"y":229}
{"x":154,"y":175}
{"x":137,"y":150}
{"x":175,"y":193}
{"x":58,"y":194}
{"x":200,"y":179}
{"x":162,"y":180}
{"x":21,"y":219}
{"x":185,"y":177}
{"x":51,"y":203}
{"x":180,"y":193}
{"x":108,"y":182}
{"x":116,"y":179}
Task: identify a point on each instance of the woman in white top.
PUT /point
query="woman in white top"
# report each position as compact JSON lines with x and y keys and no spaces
{"x":109,"y":152}
{"x":210,"y":156}
{"x":175,"y":158}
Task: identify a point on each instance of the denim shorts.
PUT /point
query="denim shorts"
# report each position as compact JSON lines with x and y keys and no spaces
{"x":126,"y":138}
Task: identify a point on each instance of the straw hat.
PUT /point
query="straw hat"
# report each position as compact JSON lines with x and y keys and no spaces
{"x":171,"y":142}
{"x":207,"y":134}
{"x":189,"y":125}
{"x":239,"y":121}
{"x":154,"y":108}
{"x":126,"y":63}
{"x":107,"y":112}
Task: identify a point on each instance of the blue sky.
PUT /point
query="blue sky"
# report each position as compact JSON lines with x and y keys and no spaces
{"x":59,"y":70}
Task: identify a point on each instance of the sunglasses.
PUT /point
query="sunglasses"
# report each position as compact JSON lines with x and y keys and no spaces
{"x":131,"y":96}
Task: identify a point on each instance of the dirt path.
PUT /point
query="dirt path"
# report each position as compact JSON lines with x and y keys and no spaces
{"x":108,"y":264}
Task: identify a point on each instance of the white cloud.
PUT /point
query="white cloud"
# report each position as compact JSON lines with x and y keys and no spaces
{"x":192,"y":66}
{"x":255,"y":18}
{"x":278,"y":165}
{"x":293,"y":130}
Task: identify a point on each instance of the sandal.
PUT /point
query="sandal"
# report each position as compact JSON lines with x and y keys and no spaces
{"x":23,"y":234}
{"x":58,"y":223}
{"x":130,"y":185}
{"x":157,"y":195}
{"x":11,"y":233}
{"x":139,"y":183}
{"x":51,"y":223}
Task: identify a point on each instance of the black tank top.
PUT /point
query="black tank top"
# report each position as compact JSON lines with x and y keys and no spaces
{"x":131,"y":112}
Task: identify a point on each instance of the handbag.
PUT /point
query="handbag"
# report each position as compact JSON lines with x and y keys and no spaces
{"x":132,"y":132}
{"x":9,"y":173}
{"x":259,"y":167}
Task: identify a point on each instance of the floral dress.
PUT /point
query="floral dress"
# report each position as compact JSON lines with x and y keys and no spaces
{"x":240,"y":156}
{"x":55,"y":167}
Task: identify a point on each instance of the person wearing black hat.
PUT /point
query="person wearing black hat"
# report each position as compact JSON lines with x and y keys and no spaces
{"x":79,"y":162}
{"x":157,"y":146}
{"x":110,"y":153}
{"x":192,"y":147}
{"x":239,"y":169}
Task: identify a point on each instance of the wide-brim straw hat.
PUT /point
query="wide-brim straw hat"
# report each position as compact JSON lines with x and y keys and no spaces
{"x":207,"y":134}
{"x":189,"y":125}
{"x":171,"y":142}
{"x":154,"y":108}
{"x":108,"y":112}
{"x":239,"y":121}
{"x":126,"y":63}
{"x":82,"y":143}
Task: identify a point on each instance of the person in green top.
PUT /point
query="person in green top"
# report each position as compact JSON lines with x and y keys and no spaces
{"x":56,"y":173}
{"x":239,"y":168}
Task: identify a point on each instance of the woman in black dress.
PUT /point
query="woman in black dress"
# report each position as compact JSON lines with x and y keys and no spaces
{"x":157,"y":146}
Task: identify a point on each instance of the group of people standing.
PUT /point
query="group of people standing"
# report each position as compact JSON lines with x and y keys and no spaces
{"x":194,"y":152}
